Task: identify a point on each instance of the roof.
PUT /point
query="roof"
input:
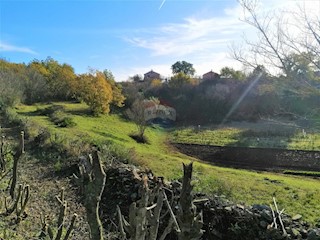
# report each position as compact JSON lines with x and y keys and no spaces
{"x":211,"y":72}
{"x":153,"y":72}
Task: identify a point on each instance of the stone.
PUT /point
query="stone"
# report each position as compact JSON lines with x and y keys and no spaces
{"x":228,"y":209}
{"x":240,"y":206}
{"x":295,"y":232}
{"x":260,"y":207}
{"x":314,"y":234}
{"x":263,"y":224}
{"x":266,"y":215}
{"x":296,"y":217}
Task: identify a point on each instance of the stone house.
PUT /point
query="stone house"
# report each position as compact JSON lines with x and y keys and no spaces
{"x":210,"y":76}
{"x":151,"y":75}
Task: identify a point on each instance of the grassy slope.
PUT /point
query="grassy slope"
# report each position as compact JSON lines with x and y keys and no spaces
{"x":232,"y":136}
{"x":295,"y":194}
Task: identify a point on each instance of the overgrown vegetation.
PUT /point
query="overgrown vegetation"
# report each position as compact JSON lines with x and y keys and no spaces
{"x":164,"y":161}
{"x":49,"y":80}
{"x":65,"y":129}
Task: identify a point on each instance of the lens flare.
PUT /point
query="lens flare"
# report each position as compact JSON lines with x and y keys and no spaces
{"x":244,"y":94}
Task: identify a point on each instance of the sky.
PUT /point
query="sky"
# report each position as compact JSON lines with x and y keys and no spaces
{"x":127,"y":37}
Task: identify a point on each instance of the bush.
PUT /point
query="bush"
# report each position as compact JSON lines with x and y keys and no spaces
{"x":57,"y":115}
{"x":50,"y":110}
{"x":112,"y":152}
{"x":62,"y":120}
{"x":11,"y":116}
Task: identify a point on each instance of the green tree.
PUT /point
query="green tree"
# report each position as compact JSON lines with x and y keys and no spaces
{"x":11,"y":83}
{"x":36,"y":88}
{"x":228,"y":72}
{"x":299,"y":66}
{"x":60,"y":78}
{"x":136,"y":78}
{"x":183,"y":67}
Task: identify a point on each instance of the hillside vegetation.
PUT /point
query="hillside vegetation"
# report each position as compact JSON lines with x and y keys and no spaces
{"x":261,"y":134}
{"x":294,"y":194}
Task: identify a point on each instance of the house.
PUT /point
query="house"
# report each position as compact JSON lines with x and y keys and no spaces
{"x":210,"y":76}
{"x":151,"y":75}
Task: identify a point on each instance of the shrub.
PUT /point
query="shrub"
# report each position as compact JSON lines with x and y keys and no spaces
{"x":61,"y":119}
{"x":50,"y":110}
{"x":57,"y":115}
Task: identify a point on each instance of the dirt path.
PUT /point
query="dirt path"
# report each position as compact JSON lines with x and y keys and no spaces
{"x":44,"y":186}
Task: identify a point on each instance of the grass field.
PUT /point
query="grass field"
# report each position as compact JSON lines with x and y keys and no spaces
{"x":295,"y":194}
{"x":260,"y":134}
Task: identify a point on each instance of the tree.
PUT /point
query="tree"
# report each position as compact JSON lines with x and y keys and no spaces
{"x":156,"y":83}
{"x":179,"y":80}
{"x":117,"y":97}
{"x":11,"y":87}
{"x":280,"y":42}
{"x":60,"y":78}
{"x":228,"y":72}
{"x":36,"y":88}
{"x":136,"y":113}
{"x":136,"y":78}
{"x":183,"y":67}
{"x":95,"y":91}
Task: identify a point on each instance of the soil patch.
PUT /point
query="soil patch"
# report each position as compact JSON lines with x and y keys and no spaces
{"x":253,"y":158}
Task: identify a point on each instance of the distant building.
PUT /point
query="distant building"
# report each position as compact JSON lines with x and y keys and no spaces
{"x":210,"y":76}
{"x":151,"y":75}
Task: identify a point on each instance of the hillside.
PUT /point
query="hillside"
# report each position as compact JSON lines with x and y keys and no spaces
{"x":39,"y":172}
{"x":295,"y":194}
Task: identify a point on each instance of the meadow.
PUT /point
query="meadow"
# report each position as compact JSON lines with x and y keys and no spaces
{"x":296,"y":194}
{"x":261,"y":134}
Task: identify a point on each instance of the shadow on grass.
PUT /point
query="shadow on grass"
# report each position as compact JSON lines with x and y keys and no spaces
{"x":109,"y":135}
{"x":264,"y":138}
{"x":80,"y":112}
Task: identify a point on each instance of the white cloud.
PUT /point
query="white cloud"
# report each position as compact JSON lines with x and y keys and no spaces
{"x":191,"y":36}
{"x":206,"y":41}
{"x":11,"y":48}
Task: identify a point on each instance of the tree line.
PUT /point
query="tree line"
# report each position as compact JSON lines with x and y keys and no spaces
{"x":49,"y":80}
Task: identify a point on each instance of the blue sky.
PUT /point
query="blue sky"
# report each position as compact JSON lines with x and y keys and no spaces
{"x":125,"y":36}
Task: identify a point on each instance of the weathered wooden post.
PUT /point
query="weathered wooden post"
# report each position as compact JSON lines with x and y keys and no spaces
{"x":190,"y":222}
{"x":19,"y":153}
{"x":92,"y":181}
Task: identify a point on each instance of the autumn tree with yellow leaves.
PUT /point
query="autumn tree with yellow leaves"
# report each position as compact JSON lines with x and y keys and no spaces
{"x":96,"y":90}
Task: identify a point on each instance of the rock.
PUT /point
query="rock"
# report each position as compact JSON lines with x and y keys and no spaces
{"x":266,"y":215}
{"x":295,"y":232}
{"x":314,"y":234}
{"x":240,"y":206}
{"x":260,"y":207}
{"x":229,"y":209}
{"x":304,"y":233}
{"x":263,"y":224}
{"x":134,"y":196}
{"x":296,"y":217}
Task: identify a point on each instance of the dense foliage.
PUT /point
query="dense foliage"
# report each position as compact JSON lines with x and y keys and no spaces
{"x":48,"y":80}
{"x":235,"y":95}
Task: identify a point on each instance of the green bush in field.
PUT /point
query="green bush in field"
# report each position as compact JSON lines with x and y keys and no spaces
{"x":62,"y":120}
{"x":50,"y":110}
{"x":57,"y":115}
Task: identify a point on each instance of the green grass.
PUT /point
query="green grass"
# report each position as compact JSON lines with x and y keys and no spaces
{"x":294,"y":193}
{"x":242,"y":137}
